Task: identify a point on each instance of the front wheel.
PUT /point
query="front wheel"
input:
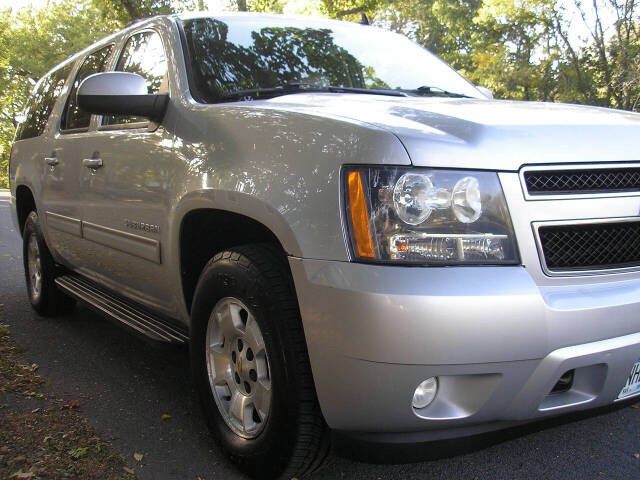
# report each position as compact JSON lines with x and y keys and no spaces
{"x":251,"y":367}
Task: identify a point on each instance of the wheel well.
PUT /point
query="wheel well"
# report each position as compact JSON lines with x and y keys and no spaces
{"x":25,"y":204}
{"x":205,"y":232}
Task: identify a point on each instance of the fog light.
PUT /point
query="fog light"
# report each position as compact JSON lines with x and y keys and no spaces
{"x":425,"y":393}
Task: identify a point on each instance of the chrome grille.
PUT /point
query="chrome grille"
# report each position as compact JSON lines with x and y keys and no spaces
{"x":559,"y":182}
{"x":590,"y":246}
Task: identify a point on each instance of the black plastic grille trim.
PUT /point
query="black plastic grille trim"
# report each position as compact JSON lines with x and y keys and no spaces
{"x":559,"y":182}
{"x":591,"y":246}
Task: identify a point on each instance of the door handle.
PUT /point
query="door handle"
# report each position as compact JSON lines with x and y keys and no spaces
{"x":53,"y":161}
{"x":92,"y":162}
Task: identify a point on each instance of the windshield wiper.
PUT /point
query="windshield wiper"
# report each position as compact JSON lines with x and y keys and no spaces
{"x":270,"y":92}
{"x":291,"y":88}
{"x":370,"y":91}
{"x":424,"y":90}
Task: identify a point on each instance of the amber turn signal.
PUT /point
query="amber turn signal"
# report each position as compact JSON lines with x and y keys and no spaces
{"x":360,"y":225}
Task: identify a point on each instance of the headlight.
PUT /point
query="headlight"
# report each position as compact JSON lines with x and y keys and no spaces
{"x":428,"y":216}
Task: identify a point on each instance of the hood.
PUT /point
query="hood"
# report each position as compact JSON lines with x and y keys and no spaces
{"x":484,"y":134}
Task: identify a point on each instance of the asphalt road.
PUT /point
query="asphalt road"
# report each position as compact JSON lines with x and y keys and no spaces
{"x":124,"y":386}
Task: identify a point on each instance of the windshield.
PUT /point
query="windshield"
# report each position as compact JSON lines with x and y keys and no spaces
{"x":252,"y":53}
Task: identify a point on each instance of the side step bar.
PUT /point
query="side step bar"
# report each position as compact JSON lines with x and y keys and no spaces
{"x":122,"y":311}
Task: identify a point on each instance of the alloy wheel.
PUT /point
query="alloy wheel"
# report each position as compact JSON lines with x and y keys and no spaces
{"x":35,"y":268}
{"x":238,"y":367}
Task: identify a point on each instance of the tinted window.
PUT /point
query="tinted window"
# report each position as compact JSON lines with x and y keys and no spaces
{"x":96,"y":62}
{"x":236,"y":55}
{"x":143,"y":54}
{"x":41,"y":102}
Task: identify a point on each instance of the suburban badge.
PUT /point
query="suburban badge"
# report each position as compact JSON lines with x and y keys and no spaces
{"x":145,"y":227}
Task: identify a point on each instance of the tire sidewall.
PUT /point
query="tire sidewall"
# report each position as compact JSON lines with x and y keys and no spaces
{"x":223,"y":277}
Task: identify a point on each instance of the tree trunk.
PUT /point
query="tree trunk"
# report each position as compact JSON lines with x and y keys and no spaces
{"x":575,"y":61}
{"x":351,"y":11}
{"x":131,"y":9}
{"x":242,"y":5}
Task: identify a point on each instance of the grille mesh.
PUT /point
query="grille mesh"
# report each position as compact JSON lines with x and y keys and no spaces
{"x":560,"y":182}
{"x":593,"y":246}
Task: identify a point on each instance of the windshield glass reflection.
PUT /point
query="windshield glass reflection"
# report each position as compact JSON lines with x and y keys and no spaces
{"x":241,"y":55}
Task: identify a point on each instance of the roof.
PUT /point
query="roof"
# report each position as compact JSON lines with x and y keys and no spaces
{"x":301,"y":21}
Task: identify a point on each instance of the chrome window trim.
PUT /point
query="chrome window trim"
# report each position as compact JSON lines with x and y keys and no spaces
{"x":79,"y":62}
{"x":579,"y":273}
{"x":69,"y":131}
{"x":575,"y":166}
{"x":123,"y":126}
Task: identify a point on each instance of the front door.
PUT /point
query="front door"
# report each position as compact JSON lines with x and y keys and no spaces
{"x":124,"y":182}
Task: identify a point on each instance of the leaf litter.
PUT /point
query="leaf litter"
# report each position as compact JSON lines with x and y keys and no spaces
{"x":49,"y":441}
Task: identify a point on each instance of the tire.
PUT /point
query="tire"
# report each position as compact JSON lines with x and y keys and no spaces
{"x":40,"y":272}
{"x":292,"y":439}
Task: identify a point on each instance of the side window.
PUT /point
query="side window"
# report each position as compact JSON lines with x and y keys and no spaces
{"x":143,"y":54}
{"x":73,"y":116}
{"x":41,"y":103}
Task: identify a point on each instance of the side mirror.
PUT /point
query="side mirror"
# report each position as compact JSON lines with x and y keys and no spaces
{"x":485,"y":91}
{"x":120,"y":93}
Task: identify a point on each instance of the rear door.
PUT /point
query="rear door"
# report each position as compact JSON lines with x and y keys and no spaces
{"x":34,"y":147}
{"x":124,"y":181}
{"x":62,"y":182}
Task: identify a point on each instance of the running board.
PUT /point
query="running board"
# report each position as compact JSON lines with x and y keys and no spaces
{"x":120,"y":310}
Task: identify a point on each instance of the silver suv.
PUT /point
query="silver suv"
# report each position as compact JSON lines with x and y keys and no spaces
{"x":347,"y":233}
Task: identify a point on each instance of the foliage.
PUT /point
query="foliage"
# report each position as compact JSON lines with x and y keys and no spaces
{"x":123,"y":12}
{"x":609,"y":66}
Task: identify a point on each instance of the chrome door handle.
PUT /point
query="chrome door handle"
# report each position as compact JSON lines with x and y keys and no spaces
{"x":92,"y":162}
{"x":53,"y":161}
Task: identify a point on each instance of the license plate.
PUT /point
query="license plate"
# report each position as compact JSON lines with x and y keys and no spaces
{"x":633,"y":382}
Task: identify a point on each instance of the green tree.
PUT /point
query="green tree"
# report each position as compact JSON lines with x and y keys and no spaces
{"x":521,"y":37}
{"x":444,"y":27}
{"x":123,"y":12}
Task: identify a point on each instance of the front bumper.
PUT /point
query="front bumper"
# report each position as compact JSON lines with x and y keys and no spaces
{"x":497,"y":341}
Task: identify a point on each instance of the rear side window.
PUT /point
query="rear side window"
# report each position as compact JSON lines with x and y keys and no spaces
{"x":143,"y":54}
{"x":41,"y":102}
{"x":74,"y":117}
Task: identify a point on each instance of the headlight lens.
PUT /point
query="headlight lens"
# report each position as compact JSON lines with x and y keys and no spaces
{"x":428,"y":216}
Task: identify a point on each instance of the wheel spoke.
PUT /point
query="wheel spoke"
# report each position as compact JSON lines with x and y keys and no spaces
{"x":32,"y":249}
{"x":221,"y":363}
{"x":261,"y":399}
{"x":262,"y":369}
{"x":252,"y":332}
{"x":230,"y":322}
{"x":223,"y":390}
{"x":241,"y":410}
